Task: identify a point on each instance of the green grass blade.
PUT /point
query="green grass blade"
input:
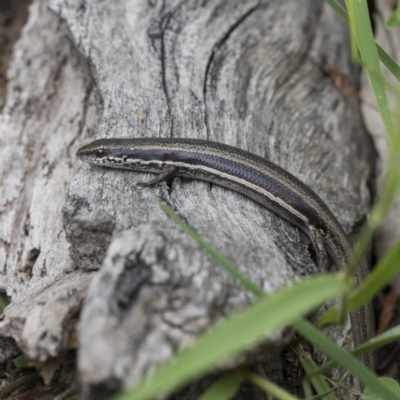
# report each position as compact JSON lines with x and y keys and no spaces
{"x":347,"y":361}
{"x":307,"y":330}
{"x":270,"y":387}
{"x":21,"y":361}
{"x":3,"y":302}
{"x":385,"y":338}
{"x":380,"y":210}
{"x":361,"y":27}
{"x":307,"y":389}
{"x":242,"y":331}
{"x":318,"y":381}
{"x":355,"y":55}
{"x":370,"y":394}
{"x":394,"y":18}
{"x":339,"y":10}
{"x":385,"y":271}
{"x":6,"y":390}
{"x":220,"y":259}
{"x":390,"y":64}
{"x":224,"y":388}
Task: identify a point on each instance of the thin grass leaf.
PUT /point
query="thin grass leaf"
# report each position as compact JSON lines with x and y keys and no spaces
{"x":394,"y":18}
{"x":307,"y":330}
{"x":318,"y":381}
{"x":5,"y":391}
{"x":219,"y":258}
{"x":334,"y":387}
{"x":390,"y":64}
{"x":242,"y":331}
{"x":270,"y":387}
{"x":3,"y":302}
{"x":390,"y":336}
{"x":382,"y":274}
{"x":347,"y":361}
{"x":307,"y":389}
{"x":383,"y":339}
{"x":361,"y":27}
{"x":21,"y":362}
{"x":370,"y":394}
{"x":355,"y":55}
{"x":224,"y":388}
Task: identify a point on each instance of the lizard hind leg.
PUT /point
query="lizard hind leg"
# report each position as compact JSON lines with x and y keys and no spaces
{"x":317,"y":240}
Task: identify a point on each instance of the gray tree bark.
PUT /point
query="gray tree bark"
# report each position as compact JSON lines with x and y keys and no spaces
{"x":242,"y":73}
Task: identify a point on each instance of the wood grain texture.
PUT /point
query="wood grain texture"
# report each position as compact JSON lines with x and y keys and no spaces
{"x":242,"y":73}
{"x":49,"y":110}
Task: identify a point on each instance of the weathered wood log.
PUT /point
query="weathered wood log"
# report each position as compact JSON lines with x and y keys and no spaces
{"x":242,"y":73}
{"x":49,"y":106}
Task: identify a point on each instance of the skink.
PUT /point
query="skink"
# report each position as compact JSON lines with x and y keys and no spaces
{"x":246,"y":173}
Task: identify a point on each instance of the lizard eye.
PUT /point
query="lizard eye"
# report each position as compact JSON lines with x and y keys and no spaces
{"x":99,"y":153}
